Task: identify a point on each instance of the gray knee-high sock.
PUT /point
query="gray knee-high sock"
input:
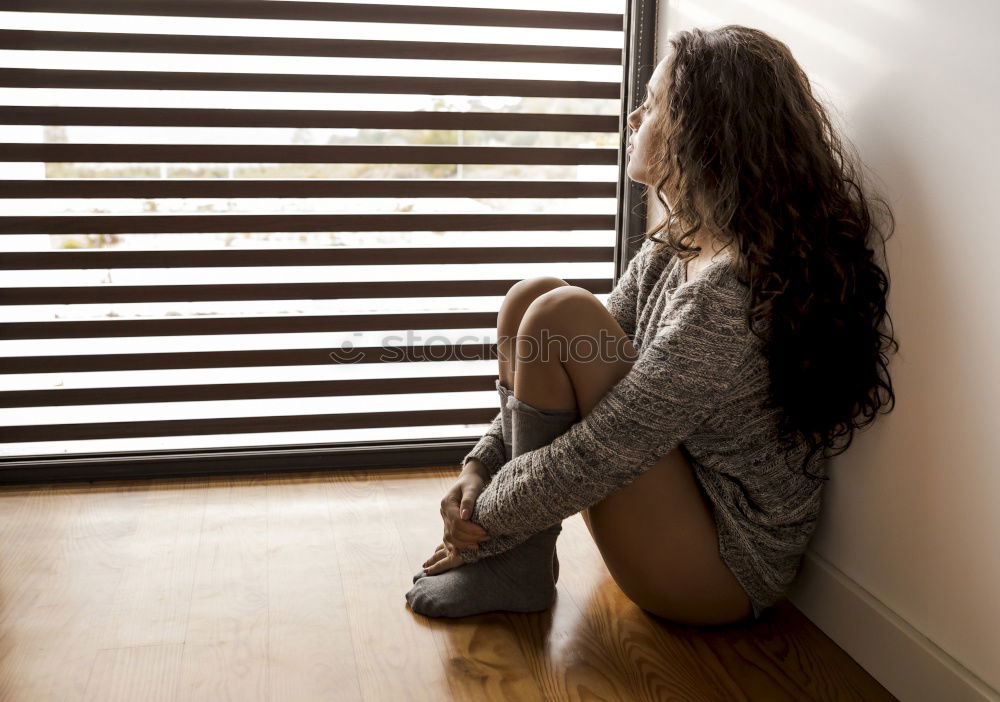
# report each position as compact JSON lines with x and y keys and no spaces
{"x":519,"y":580}
{"x":532,"y":428}
{"x":505,"y":421}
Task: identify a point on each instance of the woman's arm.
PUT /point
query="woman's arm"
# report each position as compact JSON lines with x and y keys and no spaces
{"x":679,"y":379}
{"x":621,"y":304}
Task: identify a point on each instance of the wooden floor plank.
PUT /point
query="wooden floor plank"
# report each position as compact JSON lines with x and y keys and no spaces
{"x":394,"y":659}
{"x":147,"y":673}
{"x":153,"y":600}
{"x":225,"y":642}
{"x":309,"y":657}
{"x":65,"y":575}
{"x":291,"y":587}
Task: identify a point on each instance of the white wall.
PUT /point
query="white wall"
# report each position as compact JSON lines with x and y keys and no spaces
{"x":912,"y":514}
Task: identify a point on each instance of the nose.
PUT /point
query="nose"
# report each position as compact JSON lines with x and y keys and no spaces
{"x":633,"y":118}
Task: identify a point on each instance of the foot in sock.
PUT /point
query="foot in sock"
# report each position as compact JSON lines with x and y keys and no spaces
{"x":555,"y":566}
{"x":520,"y":580}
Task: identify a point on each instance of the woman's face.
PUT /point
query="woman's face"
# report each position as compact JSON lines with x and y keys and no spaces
{"x":639,"y":122}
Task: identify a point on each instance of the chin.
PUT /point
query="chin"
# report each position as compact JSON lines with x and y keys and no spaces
{"x":633,"y":176}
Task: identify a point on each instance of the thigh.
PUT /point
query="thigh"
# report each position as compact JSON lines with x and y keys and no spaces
{"x":570,"y":351}
{"x":658,"y":538}
{"x":512,"y":309}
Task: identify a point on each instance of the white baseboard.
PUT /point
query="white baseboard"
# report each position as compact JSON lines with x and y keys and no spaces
{"x":904,"y":661}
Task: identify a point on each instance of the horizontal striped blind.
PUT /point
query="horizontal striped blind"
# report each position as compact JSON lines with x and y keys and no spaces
{"x":263,"y":223}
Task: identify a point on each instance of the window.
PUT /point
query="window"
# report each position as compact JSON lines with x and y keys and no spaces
{"x":271,"y":234}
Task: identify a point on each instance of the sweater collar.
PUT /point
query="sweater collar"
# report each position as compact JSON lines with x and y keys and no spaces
{"x":716,"y":271}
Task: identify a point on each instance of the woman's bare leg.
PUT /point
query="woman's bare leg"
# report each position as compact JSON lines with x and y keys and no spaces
{"x":657,"y":535}
{"x":512,"y":309}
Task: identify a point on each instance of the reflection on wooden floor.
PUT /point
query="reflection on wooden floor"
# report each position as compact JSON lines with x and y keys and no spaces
{"x":290,"y":587}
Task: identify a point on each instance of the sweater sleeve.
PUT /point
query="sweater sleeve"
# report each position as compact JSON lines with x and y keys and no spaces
{"x":678,"y":380}
{"x":489,"y":449}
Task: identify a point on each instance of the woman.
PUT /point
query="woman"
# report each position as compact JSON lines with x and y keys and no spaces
{"x":745,"y":343}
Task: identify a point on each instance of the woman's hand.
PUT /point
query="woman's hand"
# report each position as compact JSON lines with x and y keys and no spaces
{"x":444,"y":558}
{"x":456,"y":508}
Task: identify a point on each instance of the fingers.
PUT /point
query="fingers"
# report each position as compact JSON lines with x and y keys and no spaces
{"x":468,"y":504}
{"x":462,"y":539}
{"x":437,"y":554}
{"x":458,"y":544}
{"x":437,"y":567}
{"x":442,"y":561}
{"x":463,"y":533}
{"x":434,"y":566}
{"x":470,"y":528}
{"x":467,"y":531}
{"x":464,"y":526}
{"x":469,"y":496}
{"x":450,"y":513}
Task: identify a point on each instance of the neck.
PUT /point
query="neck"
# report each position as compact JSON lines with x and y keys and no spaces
{"x":710,"y":245}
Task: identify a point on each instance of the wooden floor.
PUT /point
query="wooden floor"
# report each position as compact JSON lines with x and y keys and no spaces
{"x":290,"y":587}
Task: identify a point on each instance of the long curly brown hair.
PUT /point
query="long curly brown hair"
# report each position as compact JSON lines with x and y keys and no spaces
{"x":750,"y":155}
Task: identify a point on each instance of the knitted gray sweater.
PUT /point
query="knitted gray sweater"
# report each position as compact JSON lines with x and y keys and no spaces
{"x":701,"y":378}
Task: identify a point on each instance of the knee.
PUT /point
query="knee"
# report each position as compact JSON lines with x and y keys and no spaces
{"x":564,"y":303}
{"x":522,"y":294}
